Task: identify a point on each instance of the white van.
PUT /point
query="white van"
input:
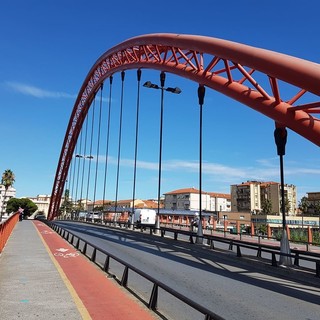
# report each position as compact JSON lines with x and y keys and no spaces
{"x":144,"y":217}
{"x":82,"y":215}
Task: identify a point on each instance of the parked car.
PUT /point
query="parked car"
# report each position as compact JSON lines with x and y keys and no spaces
{"x":97,"y":217}
{"x":40,"y":217}
{"x":82,"y":215}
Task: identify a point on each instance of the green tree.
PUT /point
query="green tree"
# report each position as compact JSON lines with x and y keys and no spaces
{"x":263,"y":229}
{"x":266,"y":206}
{"x":303,"y":205}
{"x":316,"y":208}
{"x":287,"y":205}
{"x":67,"y":205}
{"x":28,"y":206}
{"x":7,"y":181}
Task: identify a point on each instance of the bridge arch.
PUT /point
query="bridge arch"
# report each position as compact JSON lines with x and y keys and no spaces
{"x":225,"y":66}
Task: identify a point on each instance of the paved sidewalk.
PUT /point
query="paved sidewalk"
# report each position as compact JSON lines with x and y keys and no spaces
{"x":38,"y":282}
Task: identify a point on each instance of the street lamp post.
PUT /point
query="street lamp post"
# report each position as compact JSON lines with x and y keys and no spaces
{"x":280,"y":136}
{"x":175,"y":90}
{"x":131,"y":216}
{"x":201,"y":93}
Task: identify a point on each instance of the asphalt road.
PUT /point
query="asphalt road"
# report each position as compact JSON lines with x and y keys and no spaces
{"x":223,"y":283}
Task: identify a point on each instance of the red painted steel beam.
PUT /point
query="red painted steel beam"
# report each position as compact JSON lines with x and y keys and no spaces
{"x":213,"y":63}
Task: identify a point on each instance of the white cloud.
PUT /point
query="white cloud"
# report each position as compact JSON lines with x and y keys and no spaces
{"x":264,"y":171}
{"x":37,"y":92}
{"x":214,"y":169}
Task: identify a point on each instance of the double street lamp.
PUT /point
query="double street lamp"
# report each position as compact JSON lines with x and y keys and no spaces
{"x":148,"y":84}
{"x":175,"y":90}
{"x":89,"y":157}
{"x":81,"y":156}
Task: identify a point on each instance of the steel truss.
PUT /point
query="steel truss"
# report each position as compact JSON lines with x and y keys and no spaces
{"x":250,"y":75}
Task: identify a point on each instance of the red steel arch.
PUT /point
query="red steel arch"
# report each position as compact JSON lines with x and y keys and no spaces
{"x":225,"y":66}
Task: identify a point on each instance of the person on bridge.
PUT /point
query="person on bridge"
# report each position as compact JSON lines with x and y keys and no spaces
{"x":195,"y":222}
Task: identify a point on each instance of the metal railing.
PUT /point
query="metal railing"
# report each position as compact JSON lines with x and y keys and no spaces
{"x":82,"y":245}
{"x":274,"y":251}
{"x":6,"y":228}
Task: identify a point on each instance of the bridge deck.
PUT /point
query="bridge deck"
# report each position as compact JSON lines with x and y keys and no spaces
{"x":43,"y":277}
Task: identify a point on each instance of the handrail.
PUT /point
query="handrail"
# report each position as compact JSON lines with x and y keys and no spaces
{"x":209,"y":315}
{"x":6,"y":228}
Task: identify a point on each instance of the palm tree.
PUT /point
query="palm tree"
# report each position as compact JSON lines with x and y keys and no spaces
{"x":303,"y":206}
{"x":7,"y":181}
{"x":266,"y":206}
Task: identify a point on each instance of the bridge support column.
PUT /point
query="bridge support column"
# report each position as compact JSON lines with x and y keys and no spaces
{"x":268,"y":231}
{"x":309,"y":235}
{"x":238,"y":227}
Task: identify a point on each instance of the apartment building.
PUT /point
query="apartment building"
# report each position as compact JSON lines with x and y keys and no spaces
{"x":5,"y":196}
{"x":125,"y":204}
{"x":42,"y":201}
{"x":251,"y":196}
{"x":313,"y":202}
{"x":189,"y":199}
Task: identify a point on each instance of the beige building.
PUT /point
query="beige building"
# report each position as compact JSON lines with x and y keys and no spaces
{"x":5,"y":196}
{"x":189,"y":199}
{"x":313,"y":202}
{"x":250,"y":196}
{"x":138,"y":203}
{"x":43,"y":202}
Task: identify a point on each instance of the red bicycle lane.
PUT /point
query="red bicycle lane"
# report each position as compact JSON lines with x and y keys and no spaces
{"x":96,"y":296}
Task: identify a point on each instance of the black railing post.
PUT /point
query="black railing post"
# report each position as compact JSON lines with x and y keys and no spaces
{"x":106,"y":264}
{"x":153,"y":298}
{"x":238,"y":251}
{"x":124,"y":279}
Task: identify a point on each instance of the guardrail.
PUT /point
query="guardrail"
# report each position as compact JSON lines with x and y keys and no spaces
{"x":6,"y":228}
{"x":76,"y":241}
{"x":209,"y":230}
{"x":274,"y":251}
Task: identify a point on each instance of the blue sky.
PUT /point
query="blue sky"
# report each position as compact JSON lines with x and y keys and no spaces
{"x":48,"y":47}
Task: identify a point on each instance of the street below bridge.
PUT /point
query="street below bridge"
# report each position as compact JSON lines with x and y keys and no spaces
{"x":229,"y":286}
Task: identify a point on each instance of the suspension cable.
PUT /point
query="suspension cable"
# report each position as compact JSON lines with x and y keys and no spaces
{"x":78,"y":168}
{"x":74,"y":174}
{"x":136,"y":142}
{"x":98,"y":147}
{"x":107,"y":145}
{"x":119,"y":145}
{"x":90,"y":153}
{"x":69,"y":178}
{"x":84,"y":162}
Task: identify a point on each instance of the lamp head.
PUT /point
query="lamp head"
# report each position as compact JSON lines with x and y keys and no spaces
{"x":148,"y":84}
{"x":174,"y":90}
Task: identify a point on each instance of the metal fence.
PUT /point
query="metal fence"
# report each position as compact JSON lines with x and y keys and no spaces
{"x":83,"y":246}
